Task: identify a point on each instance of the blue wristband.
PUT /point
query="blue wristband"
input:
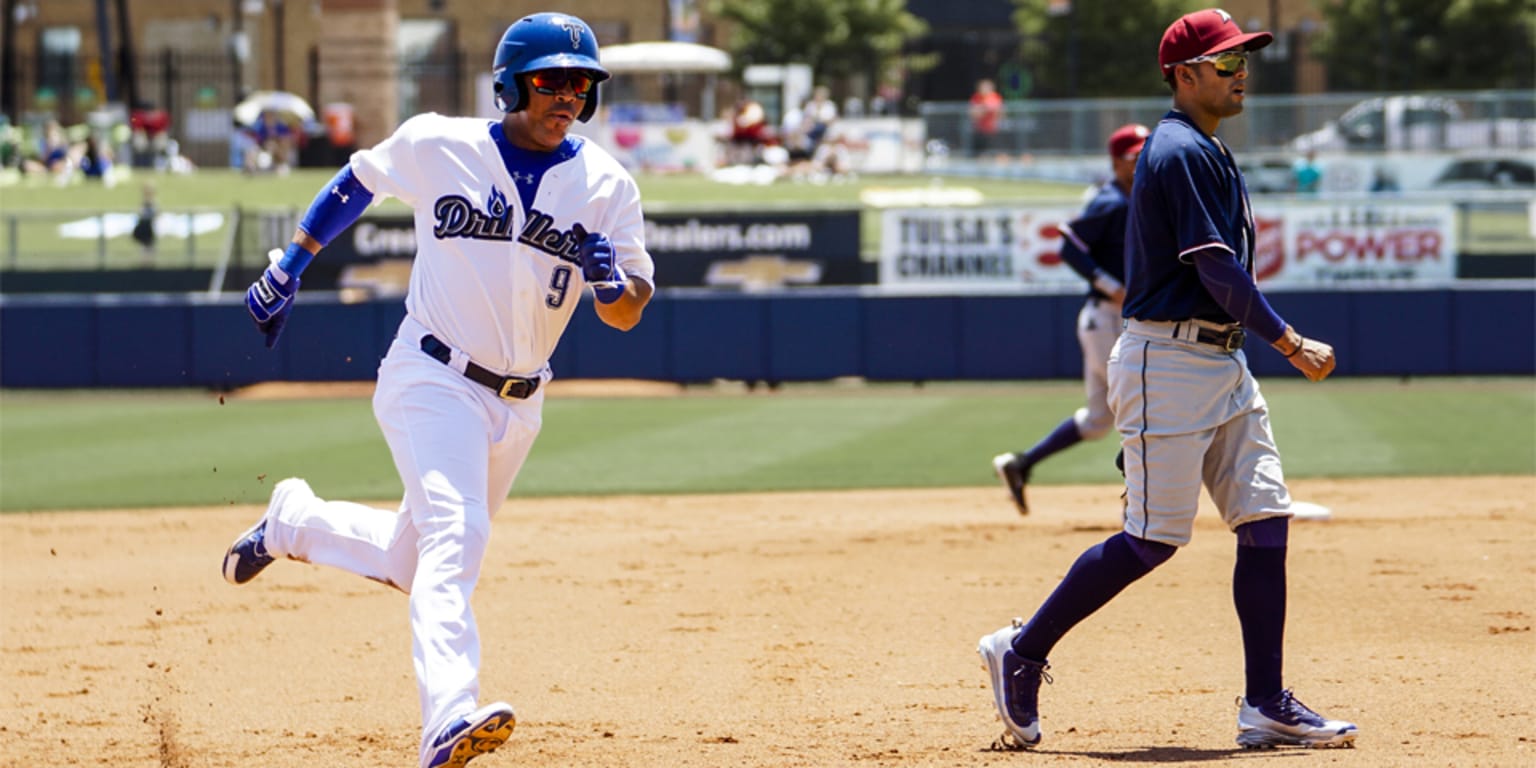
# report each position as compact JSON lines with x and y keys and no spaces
{"x":295,"y":259}
{"x":341,"y":202}
{"x":608,"y":295}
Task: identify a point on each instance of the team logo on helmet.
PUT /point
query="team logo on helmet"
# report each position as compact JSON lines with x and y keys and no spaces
{"x":574,"y":28}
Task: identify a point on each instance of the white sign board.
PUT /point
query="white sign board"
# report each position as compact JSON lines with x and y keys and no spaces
{"x":978,"y":249}
{"x":1299,"y":246}
{"x":1341,"y":244}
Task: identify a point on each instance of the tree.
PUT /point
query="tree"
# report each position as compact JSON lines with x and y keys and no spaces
{"x":837,"y":38}
{"x":1392,"y":45}
{"x":1096,"y":48}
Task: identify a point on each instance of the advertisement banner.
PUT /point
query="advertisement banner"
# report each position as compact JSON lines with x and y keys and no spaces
{"x":747,"y":251}
{"x":1356,"y":244}
{"x":974,"y":249}
{"x":374,"y":238}
{"x":1298,"y":246}
{"x":754,"y":251}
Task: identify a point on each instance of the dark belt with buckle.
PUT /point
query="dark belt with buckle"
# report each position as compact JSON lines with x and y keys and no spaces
{"x":1229,"y":341}
{"x":515,"y":387}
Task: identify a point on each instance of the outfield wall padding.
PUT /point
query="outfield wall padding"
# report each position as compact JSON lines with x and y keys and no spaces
{"x":188,"y":341}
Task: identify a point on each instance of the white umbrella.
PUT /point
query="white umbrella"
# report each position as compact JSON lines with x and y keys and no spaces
{"x":664,"y":57}
{"x":285,"y":104}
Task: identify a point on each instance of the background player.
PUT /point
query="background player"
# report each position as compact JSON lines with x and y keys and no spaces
{"x":1093,"y":244}
{"x":513,"y":219}
{"x":1187,"y":408}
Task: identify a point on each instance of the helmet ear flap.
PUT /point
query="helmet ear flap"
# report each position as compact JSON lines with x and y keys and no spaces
{"x":590,"y":108}
{"x":509,"y":96}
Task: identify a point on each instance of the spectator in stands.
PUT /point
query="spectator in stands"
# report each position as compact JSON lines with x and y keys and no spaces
{"x":10,"y":145}
{"x":1307,"y":174}
{"x":986,"y":112}
{"x":273,"y":144}
{"x":749,"y":131}
{"x":144,"y":227}
{"x":96,"y":160}
{"x":56,"y":158}
{"x":818,"y":115}
{"x":150,"y":138}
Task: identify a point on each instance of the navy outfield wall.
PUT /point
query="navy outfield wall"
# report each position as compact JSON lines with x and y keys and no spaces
{"x":809,"y":335}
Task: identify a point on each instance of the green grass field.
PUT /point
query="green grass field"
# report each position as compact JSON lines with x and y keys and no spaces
{"x":67,"y":450}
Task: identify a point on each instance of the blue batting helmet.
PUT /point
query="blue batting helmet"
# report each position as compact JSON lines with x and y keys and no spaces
{"x":544,"y":41}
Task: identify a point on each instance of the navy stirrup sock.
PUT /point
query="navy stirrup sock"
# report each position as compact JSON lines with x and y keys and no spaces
{"x":1064,"y":436}
{"x":1098,"y":575}
{"x":1258,"y":591}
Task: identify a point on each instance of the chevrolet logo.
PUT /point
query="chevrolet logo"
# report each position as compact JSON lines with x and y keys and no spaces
{"x":762,"y":271}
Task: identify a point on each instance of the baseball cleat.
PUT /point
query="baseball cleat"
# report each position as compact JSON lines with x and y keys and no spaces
{"x":1013,"y":470}
{"x":1015,"y":688}
{"x":1285,"y":722}
{"x":469,"y":737}
{"x":248,"y":556}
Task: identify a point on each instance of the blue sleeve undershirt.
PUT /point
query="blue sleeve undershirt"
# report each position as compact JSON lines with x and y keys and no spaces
{"x":336,"y":206}
{"x":1233,"y":288}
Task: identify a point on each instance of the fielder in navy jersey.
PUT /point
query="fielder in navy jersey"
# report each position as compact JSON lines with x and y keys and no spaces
{"x":1188,"y":410}
{"x":1093,"y":245}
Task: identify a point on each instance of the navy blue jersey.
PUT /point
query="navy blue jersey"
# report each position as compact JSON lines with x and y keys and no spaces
{"x":1095,"y":240}
{"x":1188,"y":196}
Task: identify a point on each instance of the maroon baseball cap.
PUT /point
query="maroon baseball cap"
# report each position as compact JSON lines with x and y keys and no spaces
{"x":1205,"y":32}
{"x":1127,"y":139}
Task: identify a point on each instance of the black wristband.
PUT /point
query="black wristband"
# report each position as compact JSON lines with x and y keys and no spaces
{"x":1299,"y":344}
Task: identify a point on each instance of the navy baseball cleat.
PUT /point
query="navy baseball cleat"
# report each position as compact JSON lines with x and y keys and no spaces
{"x":1013,"y":470}
{"x":1285,"y":722}
{"x":248,"y":556}
{"x":1015,"y":688}
{"x":467,"y":738}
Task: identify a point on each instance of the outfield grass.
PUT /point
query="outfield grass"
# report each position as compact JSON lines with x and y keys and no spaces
{"x":68,"y":450}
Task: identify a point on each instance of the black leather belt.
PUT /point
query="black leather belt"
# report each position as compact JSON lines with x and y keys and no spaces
{"x":515,"y":387}
{"x":1229,"y":341}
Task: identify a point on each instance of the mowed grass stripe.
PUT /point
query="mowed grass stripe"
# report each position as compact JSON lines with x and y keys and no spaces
{"x":91,"y":450}
{"x":706,"y":444}
{"x":75,"y":449}
{"x":1357,"y":428}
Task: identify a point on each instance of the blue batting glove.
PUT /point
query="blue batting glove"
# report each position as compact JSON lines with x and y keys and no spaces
{"x":599,"y":269}
{"x":597,"y":259}
{"x":269,"y":300}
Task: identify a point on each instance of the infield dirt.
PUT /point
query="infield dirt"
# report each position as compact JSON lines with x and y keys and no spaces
{"x":796,"y":629}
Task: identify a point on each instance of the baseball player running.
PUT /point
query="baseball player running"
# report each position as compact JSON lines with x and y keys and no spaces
{"x":514,"y":218}
{"x":1186,"y":406}
{"x":1093,"y":244}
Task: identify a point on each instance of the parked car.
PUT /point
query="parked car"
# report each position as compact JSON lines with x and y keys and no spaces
{"x":1268,"y":175}
{"x":1487,"y":173}
{"x":1397,"y":123}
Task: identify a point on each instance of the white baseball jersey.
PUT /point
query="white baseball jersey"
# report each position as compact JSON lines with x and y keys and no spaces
{"x":494,"y":280}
